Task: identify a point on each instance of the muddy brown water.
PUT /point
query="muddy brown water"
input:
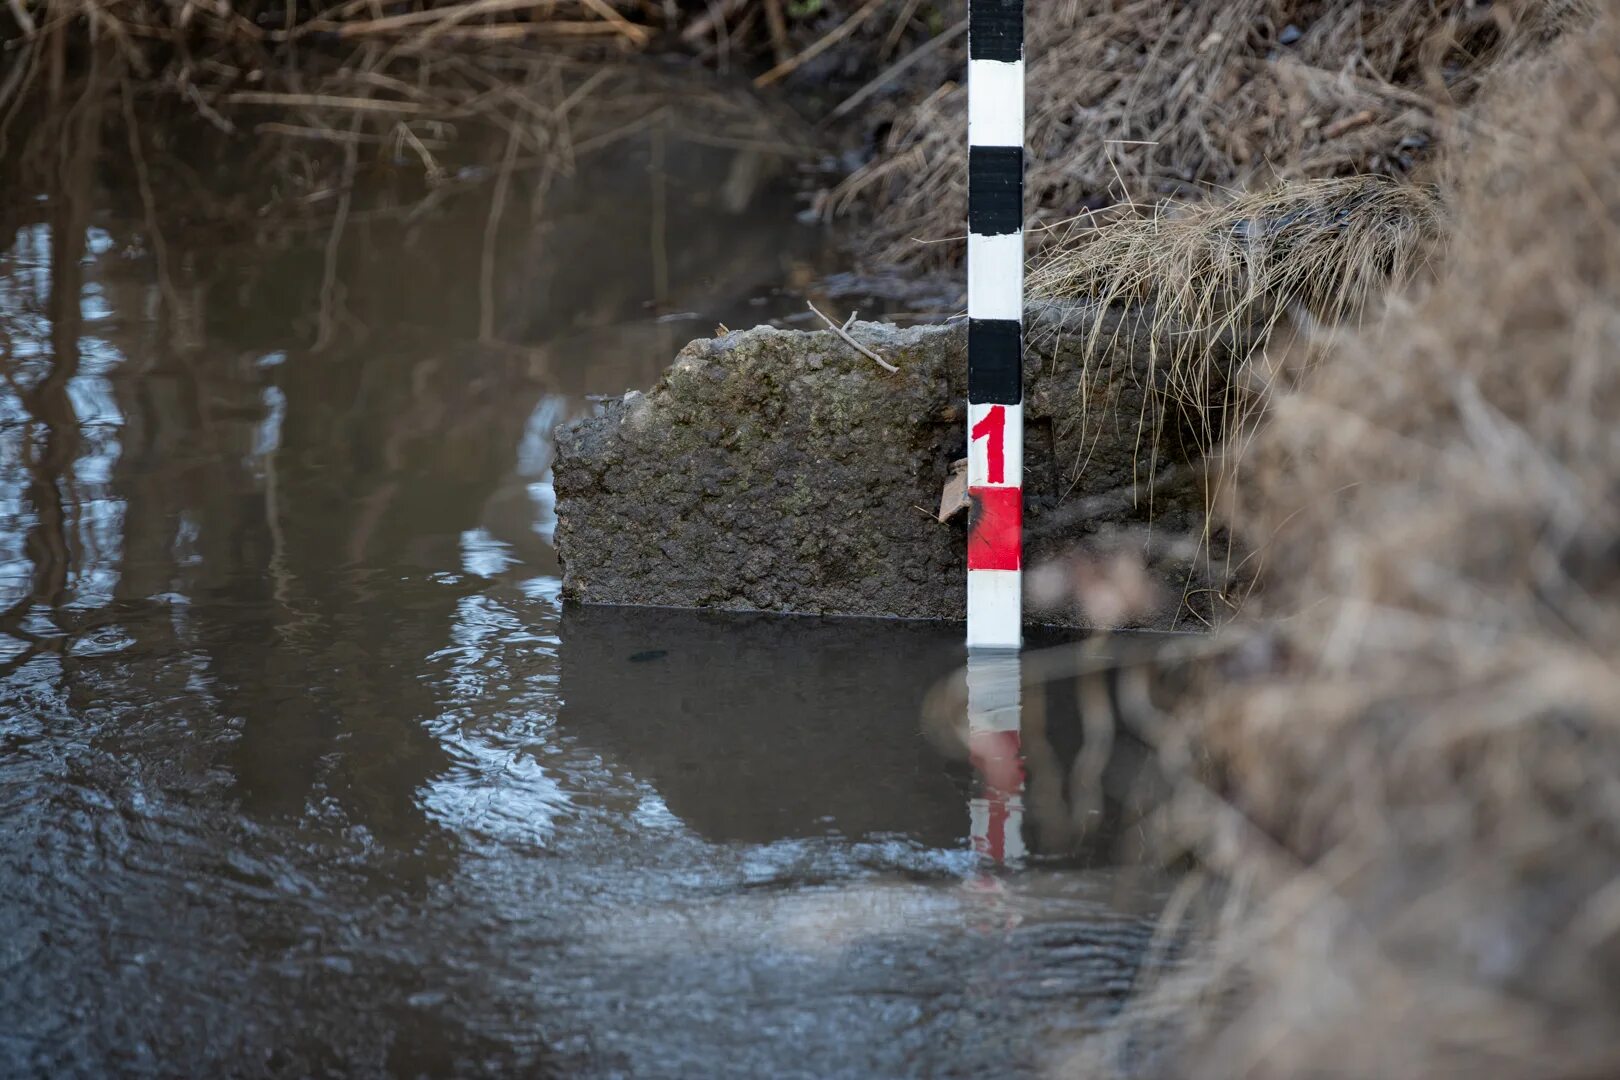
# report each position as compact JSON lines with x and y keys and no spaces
{"x":305,"y":771}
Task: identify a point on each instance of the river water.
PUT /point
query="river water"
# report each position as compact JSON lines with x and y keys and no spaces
{"x":304,"y":768}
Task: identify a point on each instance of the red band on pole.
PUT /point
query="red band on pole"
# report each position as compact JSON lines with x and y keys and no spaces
{"x":998,"y":522}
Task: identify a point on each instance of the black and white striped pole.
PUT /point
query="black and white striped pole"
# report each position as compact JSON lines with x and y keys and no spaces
{"x":995,"y":264}
{"x":995,"y":422}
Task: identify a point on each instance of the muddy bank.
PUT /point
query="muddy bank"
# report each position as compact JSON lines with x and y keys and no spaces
{"x":774,"y":470}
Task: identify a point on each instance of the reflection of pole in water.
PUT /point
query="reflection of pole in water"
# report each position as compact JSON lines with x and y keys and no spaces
{"x":994,"y":715}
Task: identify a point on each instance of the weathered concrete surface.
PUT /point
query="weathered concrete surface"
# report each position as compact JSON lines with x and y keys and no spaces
{"x":781,"y":470}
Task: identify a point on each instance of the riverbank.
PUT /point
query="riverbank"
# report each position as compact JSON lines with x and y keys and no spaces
{"x":1411,"y":732}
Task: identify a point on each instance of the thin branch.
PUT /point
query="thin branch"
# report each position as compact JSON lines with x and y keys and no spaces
{"x":329,"y":101}
{"x":636,"y":34}
{"x":492,"y":227}
{"x":928,"y":47}
{"x":843,"y":332}
{"x":713,"y":21}
{"x":24,"y":20}
{"x":780,"y":50}
{"x":833,"y":37}
{"x":329,"y":284}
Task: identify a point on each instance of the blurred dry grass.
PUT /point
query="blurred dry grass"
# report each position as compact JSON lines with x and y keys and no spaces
{"x":409,"y":77}
{"x":360,"y":70}
{"x":1414,"y":734}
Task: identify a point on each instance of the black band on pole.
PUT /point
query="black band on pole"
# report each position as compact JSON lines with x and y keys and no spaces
{"x":996,"y":30}
{"x":995,"y":370}
{"x":995,"y":189}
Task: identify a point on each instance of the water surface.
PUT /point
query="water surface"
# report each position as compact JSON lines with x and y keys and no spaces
{"x":305,"y":770}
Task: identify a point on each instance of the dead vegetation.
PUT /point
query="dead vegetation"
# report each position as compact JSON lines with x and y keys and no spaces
{"x":1140,"y":101}
{"x":1248,"y":206}
{"x":1415,"y":732}
{"x":408,"y":73}
{"x":352,"y":110}
{"x":1400,"y":761}
{"x":410,"y":85}
{"x":1215,"y":280}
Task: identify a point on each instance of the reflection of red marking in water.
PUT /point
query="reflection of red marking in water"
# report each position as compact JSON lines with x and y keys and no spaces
{"x":993,"y":429}
{"x":995,"y":755}
{"x":997,"y":818}
{"x":998,"y":523}
{"x":998,"y":827}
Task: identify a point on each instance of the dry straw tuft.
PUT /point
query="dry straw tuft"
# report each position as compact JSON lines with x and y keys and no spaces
{"x":1213,"y":281}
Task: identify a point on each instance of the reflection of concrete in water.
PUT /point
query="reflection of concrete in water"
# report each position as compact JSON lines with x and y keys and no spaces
{"x":759,"y":728}
{"x":745,"y":726}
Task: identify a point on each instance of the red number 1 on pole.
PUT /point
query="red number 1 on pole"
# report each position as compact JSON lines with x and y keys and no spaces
{"x":994,"y":428}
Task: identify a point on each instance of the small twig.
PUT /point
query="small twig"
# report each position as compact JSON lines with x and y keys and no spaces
{"x":330,"y":301}
{"x":636,"y":34}
{"x":24,"y":20}
{"x":941,"y":39}
{"x":440,"y":17}
{"x":1346,"y":124}
{"x":843,"y":332}
{"x":143,"y":182}
{"x":780,"y":50}
{"x":22,"y":67}
{"x":299,"y":131}
{"x":207,"y":111}
{"x":715,"y":20}
{"x":833,"y":37}
{"x":492,"y":227}
{"x":892,"y":41}
{"x":327,"y":101}
{"x":435,"y":172}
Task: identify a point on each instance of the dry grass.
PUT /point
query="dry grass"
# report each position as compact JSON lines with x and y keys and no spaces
{"x":1214,"y":280}
{"x":351,"y":112}
{"x":342,"y":84}
{"x":421,"y":62}
{"x":1416,"y":734}
{"x":1231,"y":299}
{"x":1242,"y":289}
{"x":1136,"y":101}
